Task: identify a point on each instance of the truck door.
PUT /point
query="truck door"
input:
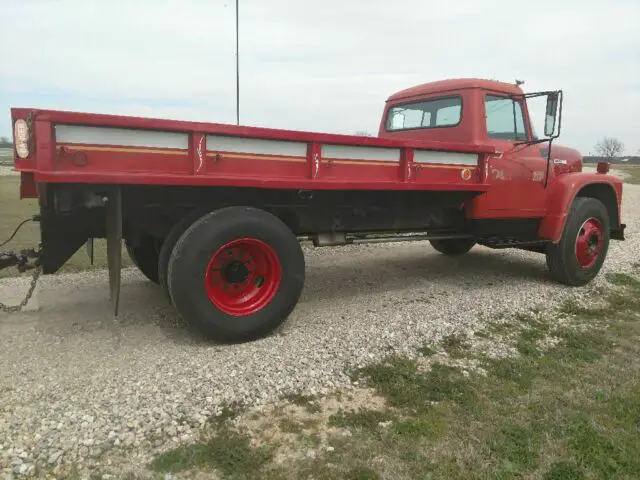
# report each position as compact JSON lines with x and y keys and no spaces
{"x":517,"y":176}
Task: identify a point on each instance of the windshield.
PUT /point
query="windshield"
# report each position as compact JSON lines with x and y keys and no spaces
{"x":439,"y":112}
{"x":504,"y":118}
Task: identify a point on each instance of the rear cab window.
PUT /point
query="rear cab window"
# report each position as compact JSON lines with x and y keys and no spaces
{"x":434,"y":113}
{"x":504,"y":119}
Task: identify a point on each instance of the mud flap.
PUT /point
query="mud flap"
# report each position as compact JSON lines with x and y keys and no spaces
{"x":114,"y":245}
{"x":90,"y":249}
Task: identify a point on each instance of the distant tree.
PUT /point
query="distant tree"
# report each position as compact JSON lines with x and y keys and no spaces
{"x":609,"y":148}
{"x":5,"y":142}
{"x":362,"y":133}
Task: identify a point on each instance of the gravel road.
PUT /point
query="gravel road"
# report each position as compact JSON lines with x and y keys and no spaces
{"x":75,"y":382}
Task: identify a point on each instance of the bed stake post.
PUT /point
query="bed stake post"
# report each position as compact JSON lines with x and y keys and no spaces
{"x":114,"y":245}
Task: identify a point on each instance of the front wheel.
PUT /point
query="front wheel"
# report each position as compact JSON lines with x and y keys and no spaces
{"x":453,"y":246}
{"x":236,"y":274}
{"x":579,"y":255}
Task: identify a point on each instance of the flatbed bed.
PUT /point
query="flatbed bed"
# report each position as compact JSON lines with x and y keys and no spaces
{"x":110,"y":149}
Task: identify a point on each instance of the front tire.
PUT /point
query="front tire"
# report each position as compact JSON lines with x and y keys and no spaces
{"x":581,"y":252}
{"x":453,"y":246}
{"x":236,"y":274}
{"x":145,"y":256}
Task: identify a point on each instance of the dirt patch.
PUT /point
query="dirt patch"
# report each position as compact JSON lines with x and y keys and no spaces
{"x":291,"y":426}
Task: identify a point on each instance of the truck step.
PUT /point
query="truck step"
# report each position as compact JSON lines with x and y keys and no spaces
{"x":499,"y":243}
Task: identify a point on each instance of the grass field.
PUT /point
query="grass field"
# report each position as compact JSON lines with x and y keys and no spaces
{"x":564,"y":405}
{"x":6,"y":156}
{"x":13,"y":211}
{"x":632,"y":171}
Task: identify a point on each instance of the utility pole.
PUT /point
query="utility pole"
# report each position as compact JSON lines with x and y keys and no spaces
{"x":237,"y":65}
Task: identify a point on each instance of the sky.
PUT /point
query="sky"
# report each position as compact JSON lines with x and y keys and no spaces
{"x":325,"y":66}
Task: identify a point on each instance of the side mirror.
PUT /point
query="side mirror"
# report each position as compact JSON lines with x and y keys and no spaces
{"x":550,"y":115}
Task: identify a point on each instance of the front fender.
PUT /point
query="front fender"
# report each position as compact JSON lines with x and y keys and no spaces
{"x":564,"y":190}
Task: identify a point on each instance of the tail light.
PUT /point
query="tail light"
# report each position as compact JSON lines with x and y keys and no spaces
{"x":21,"y":136}
{"x":603,"y":167}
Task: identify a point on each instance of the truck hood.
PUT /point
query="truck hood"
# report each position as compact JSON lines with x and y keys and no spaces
{"x":563,"y":159}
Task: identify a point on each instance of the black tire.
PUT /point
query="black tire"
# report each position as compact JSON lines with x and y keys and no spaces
{"x":190,"y":259}
{"x":145,"y":256}
{"x":453,"y":246}
{"x":562,"y":260}
{"x":167,"y":247}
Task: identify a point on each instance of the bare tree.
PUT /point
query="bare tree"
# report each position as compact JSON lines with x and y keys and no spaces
{"x":609,"y":148}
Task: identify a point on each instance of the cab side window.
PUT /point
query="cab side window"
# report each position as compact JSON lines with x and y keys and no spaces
{"x":432,"y":113}
{"x":500,"y":120}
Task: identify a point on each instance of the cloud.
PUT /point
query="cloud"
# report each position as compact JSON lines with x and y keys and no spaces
{"x":322,"y":66}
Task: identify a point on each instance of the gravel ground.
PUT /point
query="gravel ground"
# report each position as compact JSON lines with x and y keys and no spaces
{"x":76,"y":382}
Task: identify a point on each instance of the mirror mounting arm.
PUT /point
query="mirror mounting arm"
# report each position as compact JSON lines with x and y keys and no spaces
{"x":554,"y":100}
{"x":554,"y":104}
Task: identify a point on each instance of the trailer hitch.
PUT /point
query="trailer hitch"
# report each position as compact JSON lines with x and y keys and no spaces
{"x":20,"y":259}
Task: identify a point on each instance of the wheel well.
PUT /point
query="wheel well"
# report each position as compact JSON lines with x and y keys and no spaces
{"x":606,"y":195}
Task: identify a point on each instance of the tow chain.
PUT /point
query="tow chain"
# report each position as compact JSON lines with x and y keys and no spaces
{"x":20,"y":261}
{"x":16,"y":308}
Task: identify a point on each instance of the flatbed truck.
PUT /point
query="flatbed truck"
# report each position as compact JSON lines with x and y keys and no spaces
{"x":215,"y":213}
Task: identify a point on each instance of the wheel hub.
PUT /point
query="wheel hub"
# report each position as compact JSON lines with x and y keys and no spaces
{"x":235,"y":272}
{"x":589,"y":243}
{"x":243,"y":276}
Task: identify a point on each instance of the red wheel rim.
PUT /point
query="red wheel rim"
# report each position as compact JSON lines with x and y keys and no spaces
{"x":243,"y":276}
{"x":589,"y":243}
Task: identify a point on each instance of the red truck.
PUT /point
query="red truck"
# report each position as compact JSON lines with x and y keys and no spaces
{"x":215,"y":213}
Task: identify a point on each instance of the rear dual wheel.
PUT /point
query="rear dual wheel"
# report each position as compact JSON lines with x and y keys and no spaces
{"x":236,"y":274}
{"x":169,"y":243}
{"x":144,"y":255}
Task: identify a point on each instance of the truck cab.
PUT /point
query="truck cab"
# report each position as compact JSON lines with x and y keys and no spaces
{"x":526,"y":174}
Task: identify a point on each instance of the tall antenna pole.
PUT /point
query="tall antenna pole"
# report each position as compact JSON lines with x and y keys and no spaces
{"x":237,"y":65}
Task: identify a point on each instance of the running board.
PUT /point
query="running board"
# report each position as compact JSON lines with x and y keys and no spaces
{"x":506,"y":243}
{"x":336,"y":239}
